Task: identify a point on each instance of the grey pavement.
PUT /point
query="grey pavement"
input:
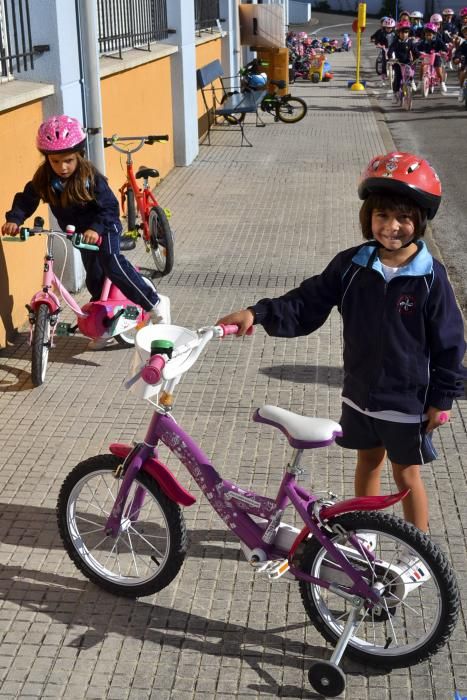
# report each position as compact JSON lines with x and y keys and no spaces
{"x":249,"y":223}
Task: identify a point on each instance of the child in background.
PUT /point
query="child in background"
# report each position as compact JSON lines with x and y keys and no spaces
{"x":404,"y":50}
{"x":403,"y":332}
{"x":79,"y":195}
{"x":431,"y":43}
{"x":383,"y":38}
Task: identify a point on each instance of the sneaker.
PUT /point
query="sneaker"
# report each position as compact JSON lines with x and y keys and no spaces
{"x":100,"y":343}
{"x":160,"y":313}
{"x":413,"y":85}
{"x":444,"y":89}
{"x":460,"y":96}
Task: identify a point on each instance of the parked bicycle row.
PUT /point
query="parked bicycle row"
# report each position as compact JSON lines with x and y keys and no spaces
{"x":416,"y":56}
{"x":308,"y":56}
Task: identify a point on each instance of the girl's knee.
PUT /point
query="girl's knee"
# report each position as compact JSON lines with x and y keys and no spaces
{"x":406,"y":476}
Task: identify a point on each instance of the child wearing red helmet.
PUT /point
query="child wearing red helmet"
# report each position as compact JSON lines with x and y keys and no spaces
{"x":403,"y":332}
{"x":79,"y":195}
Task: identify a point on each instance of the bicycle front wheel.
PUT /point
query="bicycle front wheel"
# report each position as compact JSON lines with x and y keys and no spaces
{"x":379,"y":64}
{"x":40,"y":345}
{"x":419,"y":595}
{"x":161,"y":240}
{"x":130,"y":209}
{"x":150,"y":547}
{"x":291,"y":109}
{"x":407,"y":98}
{"x":426,"y":85}
{"x":127,"y":339}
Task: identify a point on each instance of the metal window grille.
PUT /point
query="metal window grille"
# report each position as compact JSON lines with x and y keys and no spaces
{"x":206,"y":14}
{"x":16,"y":50}
{"x":130,"y":24}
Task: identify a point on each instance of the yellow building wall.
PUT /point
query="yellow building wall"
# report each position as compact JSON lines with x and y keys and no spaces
{"x":205,"y":53}
{"x":134,"y":102}
{"x":20,"y":263}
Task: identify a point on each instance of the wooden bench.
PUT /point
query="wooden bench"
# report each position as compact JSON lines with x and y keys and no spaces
{"x":227,"y":102}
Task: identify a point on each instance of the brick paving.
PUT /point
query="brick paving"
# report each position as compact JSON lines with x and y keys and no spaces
{"x":249,"y":222}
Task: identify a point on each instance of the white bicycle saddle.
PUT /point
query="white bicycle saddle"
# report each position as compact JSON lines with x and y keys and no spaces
{"x":301,"y":432}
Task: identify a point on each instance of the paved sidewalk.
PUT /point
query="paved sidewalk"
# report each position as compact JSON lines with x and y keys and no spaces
{"x":249,"y":222}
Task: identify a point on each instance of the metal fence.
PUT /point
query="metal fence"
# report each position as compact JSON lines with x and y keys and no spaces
{"x":130,"y":24}
{"x":206,"y":14}
{"x":16,"y":50}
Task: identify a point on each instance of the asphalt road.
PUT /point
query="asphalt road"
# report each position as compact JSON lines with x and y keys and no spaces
{"x":435,"y":128}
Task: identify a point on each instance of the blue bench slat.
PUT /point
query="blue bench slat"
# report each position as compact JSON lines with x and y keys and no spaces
{"x":242,"y":103}
{"x":208,"y":73}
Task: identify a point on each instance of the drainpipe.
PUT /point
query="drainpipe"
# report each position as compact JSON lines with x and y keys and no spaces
{"x":91,"y":86}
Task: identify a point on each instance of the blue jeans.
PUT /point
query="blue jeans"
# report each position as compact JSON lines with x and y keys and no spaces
{"x":109,"y":262}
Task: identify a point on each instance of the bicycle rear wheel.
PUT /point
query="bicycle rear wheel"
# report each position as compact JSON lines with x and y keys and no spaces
{"x":414,"y":620}
{"x":291,"y":109}
{"x":40,"y":345}
{"x":161,"y":240}
{"x":150,"y":547}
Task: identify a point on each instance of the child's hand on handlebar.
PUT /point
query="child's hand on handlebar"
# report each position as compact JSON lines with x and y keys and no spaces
{"x":91,"y":237}
{"x":244,"y":319}
{"x":10,"y":229}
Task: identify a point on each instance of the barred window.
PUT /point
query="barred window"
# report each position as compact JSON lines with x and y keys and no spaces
{"x":128,"y":24}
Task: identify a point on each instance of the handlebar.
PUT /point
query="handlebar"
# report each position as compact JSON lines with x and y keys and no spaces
{"x":74,"y":237}
{"x":151,"y":373}
{"x":149,"y":140}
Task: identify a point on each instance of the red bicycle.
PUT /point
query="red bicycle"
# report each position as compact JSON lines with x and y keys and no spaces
{"x":145,"y":217}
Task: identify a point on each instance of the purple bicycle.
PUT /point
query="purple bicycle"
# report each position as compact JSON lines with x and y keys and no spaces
{"x":372,"y":584}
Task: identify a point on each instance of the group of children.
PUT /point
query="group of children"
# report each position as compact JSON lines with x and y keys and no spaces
{"x":405,"y":40}
{"x":403,"y":332}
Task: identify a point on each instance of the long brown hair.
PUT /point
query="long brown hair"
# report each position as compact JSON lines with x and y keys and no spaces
{"x":79,"y":187}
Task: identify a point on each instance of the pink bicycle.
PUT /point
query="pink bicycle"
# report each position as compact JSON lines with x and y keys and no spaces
{"x":372,"y":584}
{"x":112,"y":316}
{"x":429,"y":77}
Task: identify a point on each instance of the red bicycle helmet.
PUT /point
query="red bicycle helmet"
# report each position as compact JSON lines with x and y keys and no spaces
{"x":59,"y":134}
{"x":404,"y":174}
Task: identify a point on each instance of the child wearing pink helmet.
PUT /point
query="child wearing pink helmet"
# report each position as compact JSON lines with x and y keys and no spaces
{"x":79,"y":194}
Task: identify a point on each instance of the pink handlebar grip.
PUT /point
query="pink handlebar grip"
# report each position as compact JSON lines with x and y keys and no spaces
{"x":443,"y":417}
{"x":232,"y":329}
{"x":152,"y":372}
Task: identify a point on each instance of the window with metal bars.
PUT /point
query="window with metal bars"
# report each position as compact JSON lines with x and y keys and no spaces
{"x":129,"y":24}
{"x":206,"y":14}
{"x":16,"y":49}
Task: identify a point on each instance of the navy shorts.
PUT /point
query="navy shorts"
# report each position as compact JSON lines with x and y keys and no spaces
{"x":405,"y":443}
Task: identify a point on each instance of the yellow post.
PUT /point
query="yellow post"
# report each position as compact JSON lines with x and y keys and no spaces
{"x":361,"y":24}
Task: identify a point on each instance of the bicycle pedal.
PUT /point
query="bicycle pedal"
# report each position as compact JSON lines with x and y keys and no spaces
{"x":131,"y":312}
{"x":64,"y":329}
{"x":277,"y":569}
{"x":168,"y":213}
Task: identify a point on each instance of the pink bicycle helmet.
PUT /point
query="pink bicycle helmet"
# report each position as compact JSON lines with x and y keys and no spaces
{"x":463,"y":12}
{"x":430,"y":27}
{"x":403,"y":25}
{"x":403,"y":174}
{"x":436,"y":18}
{"x":388,"y":22}
{"x":59,"y":134}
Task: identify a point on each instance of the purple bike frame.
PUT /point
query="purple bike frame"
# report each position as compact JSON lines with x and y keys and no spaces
{"x":232,"y":503}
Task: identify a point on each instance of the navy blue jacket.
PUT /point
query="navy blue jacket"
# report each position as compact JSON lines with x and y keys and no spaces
{"x":101,"y":215}
{"x":403,"y":340}
{"x":436,"y":44}
{"x":382,"y":37}
{"x":403,"y":51}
